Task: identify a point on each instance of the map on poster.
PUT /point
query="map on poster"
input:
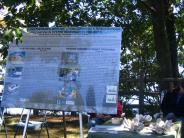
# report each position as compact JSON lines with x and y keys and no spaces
{"x":69,"y":69}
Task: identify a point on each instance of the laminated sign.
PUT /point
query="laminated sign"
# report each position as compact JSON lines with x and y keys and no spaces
{"x":69,"y":69}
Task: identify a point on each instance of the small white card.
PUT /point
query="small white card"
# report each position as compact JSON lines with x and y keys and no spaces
{"x":70,"y":102}
{"x":110,"y":89}
{"x":110,"y":98}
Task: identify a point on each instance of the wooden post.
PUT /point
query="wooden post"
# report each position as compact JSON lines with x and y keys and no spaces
{"x":64,"y":124}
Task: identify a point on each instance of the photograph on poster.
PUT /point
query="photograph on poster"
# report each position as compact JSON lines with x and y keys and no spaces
{"x":15,"y":72}
{"x":70,"y":89}
{"x":16,"y":57}
{"x":69,"y":58}
{"x":68,"y":92}
{"x":68,"y":74}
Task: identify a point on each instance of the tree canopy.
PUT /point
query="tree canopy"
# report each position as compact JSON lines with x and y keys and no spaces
{"x":152,"y":39}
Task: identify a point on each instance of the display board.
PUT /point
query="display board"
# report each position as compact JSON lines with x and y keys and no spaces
{"x":69,"y":69}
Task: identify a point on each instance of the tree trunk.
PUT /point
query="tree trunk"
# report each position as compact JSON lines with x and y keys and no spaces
{"x":161,"y":42}
{"x":171,"y":33}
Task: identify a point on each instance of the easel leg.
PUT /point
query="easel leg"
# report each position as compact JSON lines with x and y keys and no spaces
{"x":3,"y":121}
{"x":46,"y":127}
{"x":81,"y":128}
{"x":6,"y":132}
{"x":44,"y":124}
{"x":17,"y":128}
{"x":40,"y":130}
{"x":64,"y":124}
{"x":26,"y":124}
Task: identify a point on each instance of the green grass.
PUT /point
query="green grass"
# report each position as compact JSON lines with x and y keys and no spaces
{"x":55,"y":127}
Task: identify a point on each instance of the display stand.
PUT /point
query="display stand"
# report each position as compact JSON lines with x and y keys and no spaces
{"x":80,"y":123}
{"x":26,"y":124}
{"x":44,"y":124}
{"x":64,"y":124}
{"x":2,"y":122}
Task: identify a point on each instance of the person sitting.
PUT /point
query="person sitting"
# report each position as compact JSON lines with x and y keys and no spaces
{"x":99,"y":119}
{"x":172,"y":104}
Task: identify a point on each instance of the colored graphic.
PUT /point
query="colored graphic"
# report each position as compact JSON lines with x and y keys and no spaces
{"x":69,"y":58}
{"x":69,"y":93}
{"x":15,"y":72}
{"x":68,"y":74}
{"x":11,"y":87}
{"x":16,"y":57}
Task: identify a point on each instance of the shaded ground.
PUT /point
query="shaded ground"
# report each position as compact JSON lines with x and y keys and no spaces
{"x":55,"y":127}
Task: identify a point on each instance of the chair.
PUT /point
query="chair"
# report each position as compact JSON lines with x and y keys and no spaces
{"x":32,"y":125}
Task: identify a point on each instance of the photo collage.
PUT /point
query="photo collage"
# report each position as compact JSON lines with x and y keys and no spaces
{"x":68,"y":73}
{"x":14,"y":70}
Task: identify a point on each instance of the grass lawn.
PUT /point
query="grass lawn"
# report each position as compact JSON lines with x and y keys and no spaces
{"x":55,"y":127}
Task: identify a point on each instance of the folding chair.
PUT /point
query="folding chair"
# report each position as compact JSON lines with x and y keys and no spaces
{"x":32,"y":125}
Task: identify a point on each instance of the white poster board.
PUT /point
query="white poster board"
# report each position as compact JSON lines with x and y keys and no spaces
{"x":70,"y":69}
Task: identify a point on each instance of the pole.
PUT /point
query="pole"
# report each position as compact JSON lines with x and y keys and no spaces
{"x":3,"y":121}
{"x":80,"y":123}
{"x":64,"y":124}
{"x":26,"y":123}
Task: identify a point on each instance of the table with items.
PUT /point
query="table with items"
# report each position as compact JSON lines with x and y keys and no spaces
{"x":130,"y":129}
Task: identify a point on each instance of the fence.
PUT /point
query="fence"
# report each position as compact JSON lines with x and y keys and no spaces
{"x":147,"y":91}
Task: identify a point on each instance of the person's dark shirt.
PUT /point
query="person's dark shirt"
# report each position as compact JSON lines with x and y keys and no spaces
{"x":173,"y":102}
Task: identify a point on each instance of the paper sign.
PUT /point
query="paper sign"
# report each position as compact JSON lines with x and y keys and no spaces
{"x":54,"y":68}
{"x":111,"y":98}
{"x":111,"y":89}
